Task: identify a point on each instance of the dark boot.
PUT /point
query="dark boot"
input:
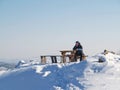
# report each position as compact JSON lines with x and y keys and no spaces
{"x":81,"y":57}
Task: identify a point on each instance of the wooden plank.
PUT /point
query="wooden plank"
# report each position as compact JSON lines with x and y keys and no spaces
{"x":43,"y":59}
{"x":54,"y":59}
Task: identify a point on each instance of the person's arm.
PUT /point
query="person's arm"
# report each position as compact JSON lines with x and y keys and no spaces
{"x":74,"y":48}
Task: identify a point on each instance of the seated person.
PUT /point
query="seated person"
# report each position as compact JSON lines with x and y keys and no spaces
{"x":78,"y":50}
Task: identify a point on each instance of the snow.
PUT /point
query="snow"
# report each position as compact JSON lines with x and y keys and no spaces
{"x":85,"y":75}
{"x":2,"y":72}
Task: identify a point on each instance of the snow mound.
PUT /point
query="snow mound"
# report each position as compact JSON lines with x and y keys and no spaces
{"x":4,"y":67}
{"x":85,"y":75}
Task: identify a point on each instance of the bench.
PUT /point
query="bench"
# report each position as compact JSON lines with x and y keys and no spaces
{"x":52,"y":57}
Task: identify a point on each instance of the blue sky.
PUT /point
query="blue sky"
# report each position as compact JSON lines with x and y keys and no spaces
{"x":29,"y":28}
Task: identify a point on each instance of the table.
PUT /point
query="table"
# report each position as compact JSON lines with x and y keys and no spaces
{"x":65,"y":53}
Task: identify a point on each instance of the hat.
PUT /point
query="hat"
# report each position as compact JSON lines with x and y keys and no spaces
{"x":77,"y":42}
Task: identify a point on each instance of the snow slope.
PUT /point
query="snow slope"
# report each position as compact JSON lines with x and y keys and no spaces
{"x":85,"y":75}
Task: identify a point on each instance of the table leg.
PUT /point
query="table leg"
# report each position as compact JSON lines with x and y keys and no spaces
{"x":63,"y":57}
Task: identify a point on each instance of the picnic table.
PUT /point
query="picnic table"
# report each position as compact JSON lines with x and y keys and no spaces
{"x":67,"y":53}
{"x":64,"y":55}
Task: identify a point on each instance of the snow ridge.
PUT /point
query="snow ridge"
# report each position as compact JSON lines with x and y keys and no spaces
{"x":85,"y":75}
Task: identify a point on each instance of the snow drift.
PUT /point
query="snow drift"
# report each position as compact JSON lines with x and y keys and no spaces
{"x":84,"y":75}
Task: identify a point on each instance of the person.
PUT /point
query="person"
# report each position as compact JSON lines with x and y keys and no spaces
{"x":78,"y":51}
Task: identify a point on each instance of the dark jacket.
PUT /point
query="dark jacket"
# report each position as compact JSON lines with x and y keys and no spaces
{"x":78,"y":49}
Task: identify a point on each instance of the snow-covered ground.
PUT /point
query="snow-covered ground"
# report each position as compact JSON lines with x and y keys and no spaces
{"x":84,"y":75}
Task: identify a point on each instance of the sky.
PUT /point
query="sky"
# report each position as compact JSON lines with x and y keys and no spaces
{"x":30,"y":28}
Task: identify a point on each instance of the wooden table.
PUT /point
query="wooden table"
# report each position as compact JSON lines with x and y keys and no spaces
{"x":65,"y":53}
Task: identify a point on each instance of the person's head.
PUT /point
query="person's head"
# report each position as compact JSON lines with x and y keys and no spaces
{"x":77,"y":43}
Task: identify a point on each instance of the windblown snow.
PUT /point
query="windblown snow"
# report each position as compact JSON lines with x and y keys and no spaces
{"x":85,"y":75}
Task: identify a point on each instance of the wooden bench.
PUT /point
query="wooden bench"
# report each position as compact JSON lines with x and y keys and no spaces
{"x":53,"y":58}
